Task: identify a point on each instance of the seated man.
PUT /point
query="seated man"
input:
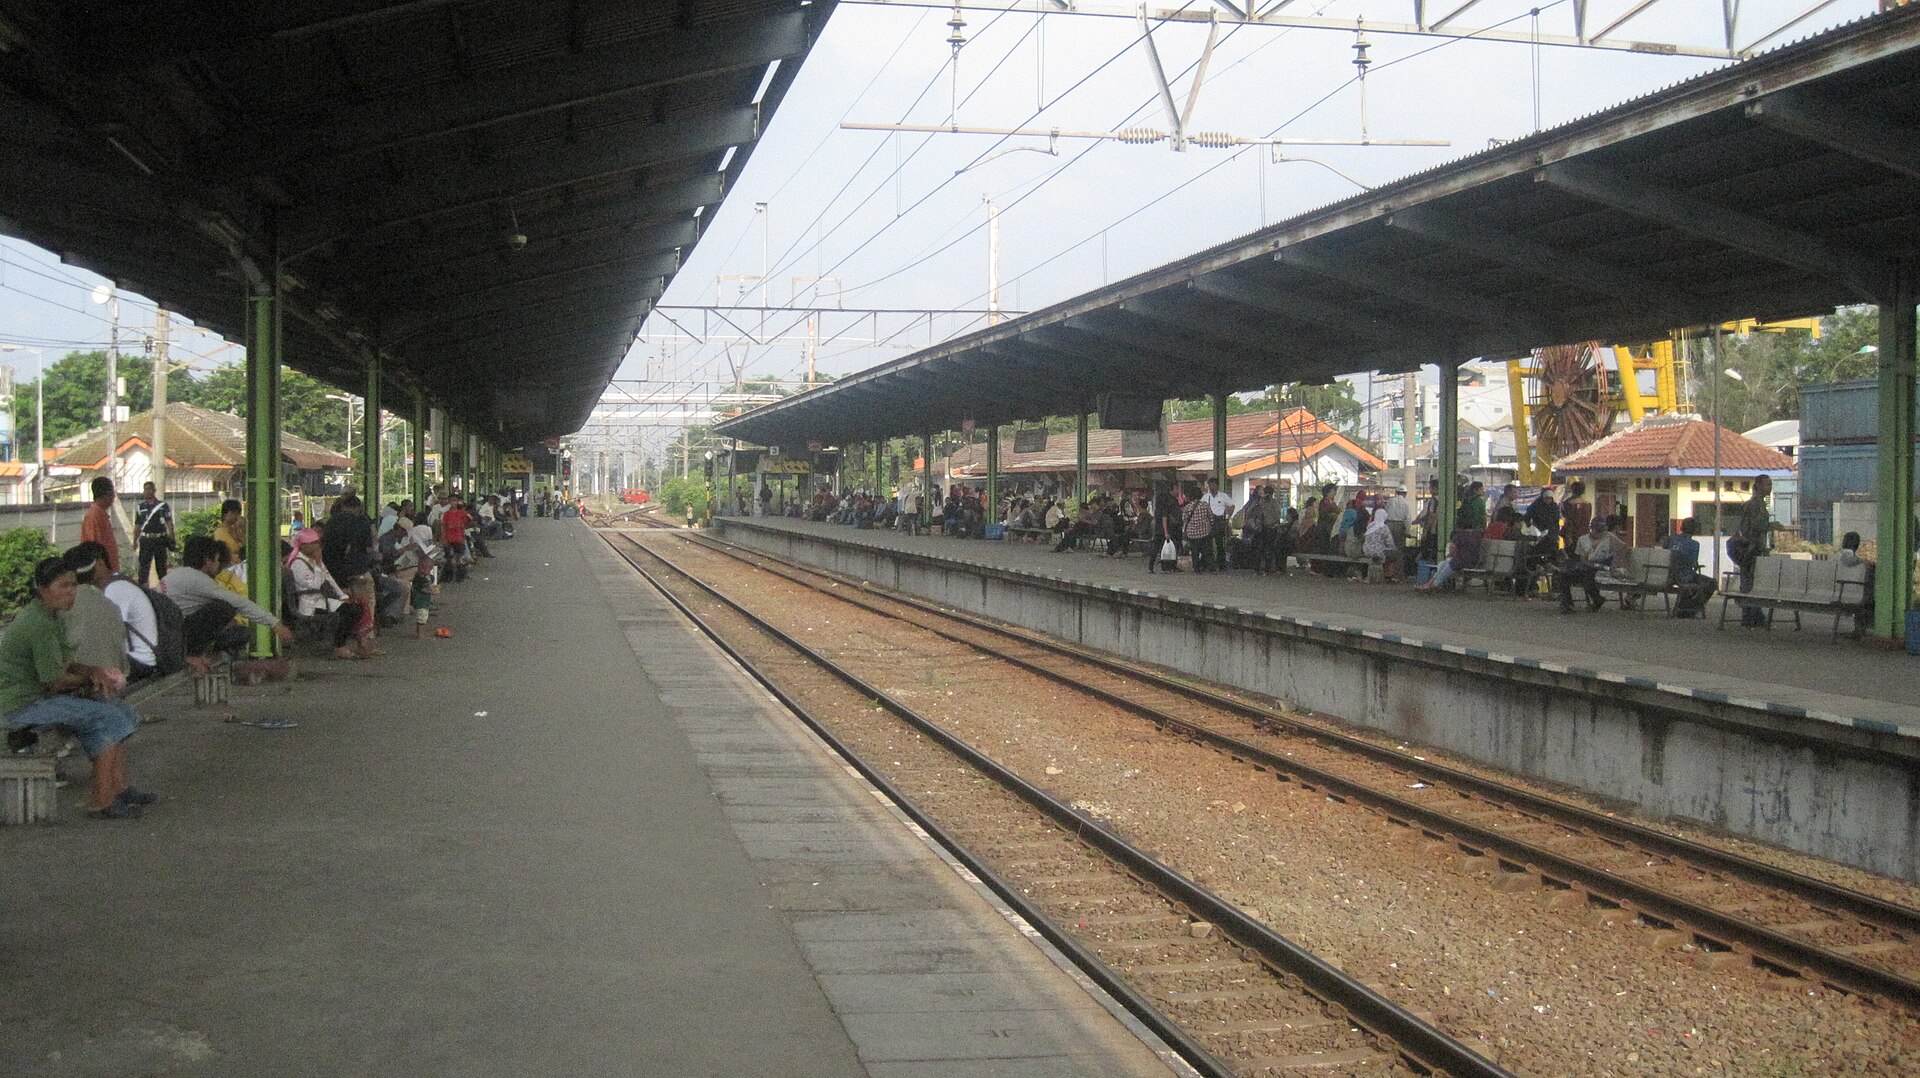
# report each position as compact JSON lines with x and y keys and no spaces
{"x":209,"y":609}
{"x":1848,"y":557}
{"x":41,"y":686}
{"x":143,"y":627}
{"x":1086,"y":524}
{"x":1684,"y":572}
{"x":1595,"y":551}
{"x":96,"y":633}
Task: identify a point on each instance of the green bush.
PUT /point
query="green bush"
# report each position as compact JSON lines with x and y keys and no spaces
{"x":20,"y":548}
{"x":197,"y":522}
{"x":679,"y":492}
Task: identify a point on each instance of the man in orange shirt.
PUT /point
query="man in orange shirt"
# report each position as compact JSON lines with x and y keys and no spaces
{"x":97,"y":527}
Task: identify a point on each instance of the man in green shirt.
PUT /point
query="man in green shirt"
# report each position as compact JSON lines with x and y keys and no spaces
{"x":41,"y":686}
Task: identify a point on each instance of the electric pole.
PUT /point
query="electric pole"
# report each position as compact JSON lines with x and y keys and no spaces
{"x":161,"y":325}
{"x":993,"y":262}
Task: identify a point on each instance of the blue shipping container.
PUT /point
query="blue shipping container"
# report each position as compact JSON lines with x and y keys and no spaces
{"x":1842,"y":412}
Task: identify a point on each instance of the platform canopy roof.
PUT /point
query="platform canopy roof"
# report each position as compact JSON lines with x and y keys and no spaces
{"x":1781,"y":186}
{"x":382,"y":154}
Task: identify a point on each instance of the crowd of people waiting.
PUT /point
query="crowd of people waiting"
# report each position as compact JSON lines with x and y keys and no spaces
{"x":1559,"y":536}
{"x":87,"y":633}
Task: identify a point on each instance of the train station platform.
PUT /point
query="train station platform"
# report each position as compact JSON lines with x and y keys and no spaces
{"x":1785,"y":736}
{"x":570,"y":839}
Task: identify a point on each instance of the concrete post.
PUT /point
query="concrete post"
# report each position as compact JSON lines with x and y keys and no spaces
{"x":263,"y":450}
{"x":1893,"y":574}
{"x":926,"y":479}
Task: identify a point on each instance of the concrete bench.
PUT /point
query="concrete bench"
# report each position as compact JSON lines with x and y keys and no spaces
{"x":1499,"y":561}
{"x":1798,"y":585}
{"x":28,"y":779}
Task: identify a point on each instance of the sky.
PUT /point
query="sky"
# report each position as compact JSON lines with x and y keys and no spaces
{"x":899,"y":220}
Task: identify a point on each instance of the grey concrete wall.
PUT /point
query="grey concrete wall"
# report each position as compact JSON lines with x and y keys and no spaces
{"x":1845,"y":793}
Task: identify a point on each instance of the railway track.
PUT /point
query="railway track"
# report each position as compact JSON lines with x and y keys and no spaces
{"x":1726,"y":907}
{"x":1230,"y":994}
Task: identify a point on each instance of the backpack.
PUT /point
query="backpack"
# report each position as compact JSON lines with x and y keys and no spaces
{"x":170,"y":650}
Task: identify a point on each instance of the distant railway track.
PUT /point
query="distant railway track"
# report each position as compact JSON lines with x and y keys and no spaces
{"x":1233,"y":997}
{"x":1727,"y":906}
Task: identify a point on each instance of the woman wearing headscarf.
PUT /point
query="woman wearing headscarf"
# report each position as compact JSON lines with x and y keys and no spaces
{"x":1378,"y":546}
{"x":317,"y":593}
{"x":41,"y":685}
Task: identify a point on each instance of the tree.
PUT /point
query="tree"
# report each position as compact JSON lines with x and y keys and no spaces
{"x":77,"y":390}
{"x":1762,"y":373}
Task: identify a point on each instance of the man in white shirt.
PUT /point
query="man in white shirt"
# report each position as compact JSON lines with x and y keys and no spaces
{"x":143,"y":627}
{"x":1220,"y":507}
{"x":1399,"y":512}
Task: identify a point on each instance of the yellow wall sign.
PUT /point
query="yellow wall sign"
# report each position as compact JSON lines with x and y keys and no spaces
{"x":516,"y":464}
{"x":785,"y":466}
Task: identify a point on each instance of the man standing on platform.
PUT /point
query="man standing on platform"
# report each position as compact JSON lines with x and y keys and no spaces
{"x":1399,"y":513}
{"x":1220,"y":509}
{"x":153,"y":532}
{"x":97,"y":526}
{"x":1752,"y":540}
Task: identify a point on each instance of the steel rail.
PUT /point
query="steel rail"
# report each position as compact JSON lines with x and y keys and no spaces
{"x":1420,"y":1043}
{"x":1773,"y":948}
{"x":1885,"y":914}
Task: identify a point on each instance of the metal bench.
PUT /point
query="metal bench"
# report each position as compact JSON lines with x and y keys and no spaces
{"x":1798,"y":585}
{"x":1499,"y":561}
{"x":1030,"y":535}
{"x":1372,"y":567}
{"x":1648,"y":571}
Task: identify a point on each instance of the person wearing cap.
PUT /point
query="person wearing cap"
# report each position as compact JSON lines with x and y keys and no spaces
{"x":41,"y":685}
{"x":1594,"y":552}
{"x":316,"y":594}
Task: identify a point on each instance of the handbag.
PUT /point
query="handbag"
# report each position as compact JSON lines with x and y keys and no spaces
{"x":1168,"y":552}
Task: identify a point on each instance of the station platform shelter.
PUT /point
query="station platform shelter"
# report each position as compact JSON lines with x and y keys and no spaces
{"x":569,"y":839}
{"x":1791,"y":738}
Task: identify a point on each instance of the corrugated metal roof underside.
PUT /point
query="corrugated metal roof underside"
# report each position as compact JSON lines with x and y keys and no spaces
{"x":1783,"y":186}
{"x":394,"y":147}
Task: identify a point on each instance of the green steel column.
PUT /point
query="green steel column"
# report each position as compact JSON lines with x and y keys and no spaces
{"x":993,"y":472}
{"x":370,"y":452}
{"x":1447,"y":453}
{"x":879,"y":477}
{"x":418,"y":483}
{"x":1893,"y":575}
{"x":1080,"y":458}
{"x":263,"y":452}
{"x":1220,"y":439}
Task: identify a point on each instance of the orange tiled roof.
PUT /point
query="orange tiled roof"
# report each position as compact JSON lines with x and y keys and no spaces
{"x":1673,"y":444}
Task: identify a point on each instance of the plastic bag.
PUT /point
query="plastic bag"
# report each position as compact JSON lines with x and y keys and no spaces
{"x":1167,"y":551}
